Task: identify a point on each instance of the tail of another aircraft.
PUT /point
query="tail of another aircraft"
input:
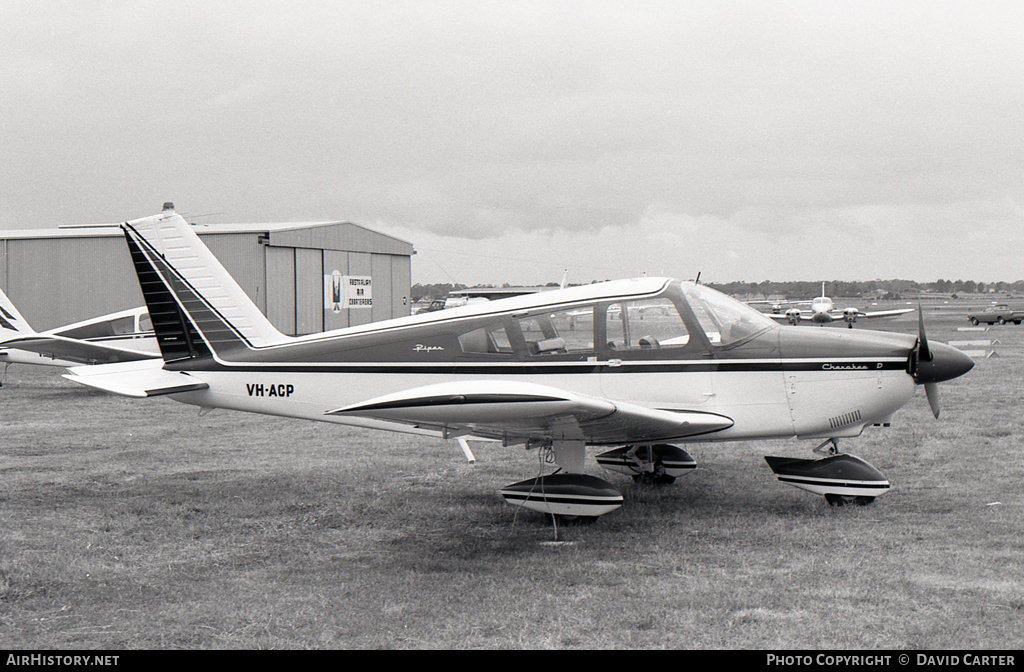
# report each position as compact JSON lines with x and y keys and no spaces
{"x":12,"y":324}
{"x":197,"y":308}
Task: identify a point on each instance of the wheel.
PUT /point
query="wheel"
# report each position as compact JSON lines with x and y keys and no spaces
{"x":1017,"y":322}
{"x":657,"y":477}
{"x":571,"y":520}
{"x":974,"y":321}
{"x":652,"y":479}
{"x":843,"y":500}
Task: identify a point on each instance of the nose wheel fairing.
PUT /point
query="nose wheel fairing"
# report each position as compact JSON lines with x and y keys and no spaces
{"x":837,"y":477}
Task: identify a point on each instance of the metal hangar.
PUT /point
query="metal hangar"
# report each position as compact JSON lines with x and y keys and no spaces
{"x":306,"y":277}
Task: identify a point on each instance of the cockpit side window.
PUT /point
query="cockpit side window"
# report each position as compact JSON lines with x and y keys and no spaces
{"x":103,"y":329}
{"x":724,"y":320}
{"x":646,"y":324}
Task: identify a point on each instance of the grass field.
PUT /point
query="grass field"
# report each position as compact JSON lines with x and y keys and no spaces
{"x":140,"y":524}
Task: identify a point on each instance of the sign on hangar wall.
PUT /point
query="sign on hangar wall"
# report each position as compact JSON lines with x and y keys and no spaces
{"x":347,"y":292}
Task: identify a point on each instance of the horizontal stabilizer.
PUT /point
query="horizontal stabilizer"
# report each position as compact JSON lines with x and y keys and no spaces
{"x":135,"y":379}
{"x":887,"y":313}
{"x":75,"y":350}
{"x":515,"y":412}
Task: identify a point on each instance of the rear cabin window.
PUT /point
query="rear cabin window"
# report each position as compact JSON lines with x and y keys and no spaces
{"x":105,"y":329}
{"x":569,"y":331}
{"x":648,"y":324}
{"x":491,"y":339}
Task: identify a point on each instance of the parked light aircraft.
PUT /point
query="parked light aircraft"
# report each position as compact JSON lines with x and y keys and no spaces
{"x":823,"y":311}
{"x":632,"y":365}
{"x":123,"y":336}
{"x":462,"y":297}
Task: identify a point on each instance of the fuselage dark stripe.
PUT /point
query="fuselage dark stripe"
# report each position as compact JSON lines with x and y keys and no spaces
{"x":448,"y":368}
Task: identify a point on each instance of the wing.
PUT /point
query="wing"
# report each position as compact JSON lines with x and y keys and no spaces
{"x":518,"y":412}
{"x":781,"y":302}
{"x":886,"y":313}
{"x":75,"y":350}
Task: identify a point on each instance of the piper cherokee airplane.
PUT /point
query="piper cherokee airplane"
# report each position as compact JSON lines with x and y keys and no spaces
{"x":823,"y":311}
{"x":674,"y":362}
{"x":123,"y":336}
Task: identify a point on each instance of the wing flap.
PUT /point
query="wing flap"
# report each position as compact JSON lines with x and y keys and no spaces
{"x":139,"y":379}
{"x":515,"y":412}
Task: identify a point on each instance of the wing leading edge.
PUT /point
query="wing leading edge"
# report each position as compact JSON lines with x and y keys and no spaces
{"x":519,"y":412}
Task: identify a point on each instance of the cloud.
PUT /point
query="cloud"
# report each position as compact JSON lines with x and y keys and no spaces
{"x":543,"y":124}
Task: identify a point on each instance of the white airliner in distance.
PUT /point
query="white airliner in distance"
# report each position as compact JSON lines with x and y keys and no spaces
{"x":631,"y":366}
{"x":123,"y":336}
{"x":823,"y":311}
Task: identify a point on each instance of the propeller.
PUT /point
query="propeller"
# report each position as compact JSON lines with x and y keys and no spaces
{"x":931,"y":364}
{"x":923,"y":350}
{"x":924,"y":354}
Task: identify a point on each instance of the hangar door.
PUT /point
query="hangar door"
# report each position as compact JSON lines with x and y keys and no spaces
{"x":296,"y":302}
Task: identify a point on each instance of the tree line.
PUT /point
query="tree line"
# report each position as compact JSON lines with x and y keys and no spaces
{"x":802,"y":289}
{"x":876,"y":288}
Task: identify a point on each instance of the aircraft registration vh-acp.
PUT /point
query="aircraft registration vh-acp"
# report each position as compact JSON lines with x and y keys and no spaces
{"x":636,"y":366}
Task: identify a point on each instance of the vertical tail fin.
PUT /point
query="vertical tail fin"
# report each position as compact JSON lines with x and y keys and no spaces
{"x":197,"y":308}
{"x":11,"y":322}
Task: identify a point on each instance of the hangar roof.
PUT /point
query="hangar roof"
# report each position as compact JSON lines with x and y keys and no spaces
{"x":319,"y":235}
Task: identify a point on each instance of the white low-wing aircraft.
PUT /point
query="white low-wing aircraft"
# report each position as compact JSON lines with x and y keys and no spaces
{"x":123,"y":336}
{"x":631,"y":365}
{"x":823,"y":311}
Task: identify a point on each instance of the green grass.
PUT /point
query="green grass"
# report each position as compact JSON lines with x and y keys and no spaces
{"x":140,"y":524}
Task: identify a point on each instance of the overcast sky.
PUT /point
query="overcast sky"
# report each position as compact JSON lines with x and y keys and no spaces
{"x":511,"y":140}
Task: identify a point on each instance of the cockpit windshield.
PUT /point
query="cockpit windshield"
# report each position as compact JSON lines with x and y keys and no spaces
{"x":724,"y":319}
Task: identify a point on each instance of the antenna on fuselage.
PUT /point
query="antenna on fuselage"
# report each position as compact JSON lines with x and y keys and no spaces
{"x":697,"y":281}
